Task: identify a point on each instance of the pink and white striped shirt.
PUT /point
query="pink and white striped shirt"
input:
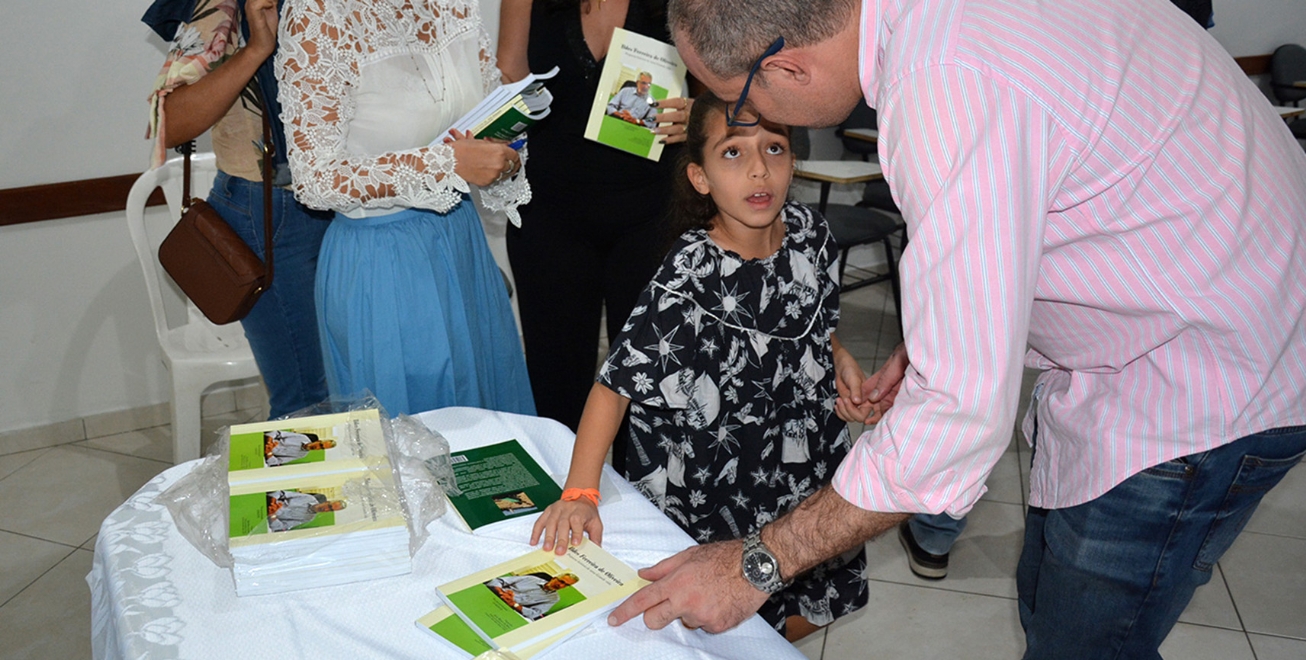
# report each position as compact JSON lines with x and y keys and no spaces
{"x":1098,"y":183}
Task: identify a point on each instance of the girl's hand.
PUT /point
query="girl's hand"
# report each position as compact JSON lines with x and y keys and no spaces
{"x":262,"y":18}
{"x":568,"y":520}
{"x":850,"y":405}
{"x":672,"y":116}
{"x":482,"y":162}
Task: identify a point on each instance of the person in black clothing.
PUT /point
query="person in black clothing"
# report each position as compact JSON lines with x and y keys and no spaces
{"x":593,"y":234}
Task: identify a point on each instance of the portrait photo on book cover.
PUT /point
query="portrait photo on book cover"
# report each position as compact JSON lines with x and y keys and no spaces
{"x":537,"y":592}
{"x":633,"y":100}
{"x":292,"y":509}
{"x":285,"y":447}
{"x":514,"y":503}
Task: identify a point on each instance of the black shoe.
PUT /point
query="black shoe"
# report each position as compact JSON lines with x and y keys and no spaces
{"x":923,"y":564}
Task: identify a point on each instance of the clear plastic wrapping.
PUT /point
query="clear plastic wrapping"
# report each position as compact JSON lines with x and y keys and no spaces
{"x":331,"y":494}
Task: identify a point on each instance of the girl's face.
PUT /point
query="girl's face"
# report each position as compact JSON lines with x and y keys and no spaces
{"x":746,"y":170}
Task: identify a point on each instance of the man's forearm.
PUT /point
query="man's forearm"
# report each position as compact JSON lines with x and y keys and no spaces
{"x":825,"y":525}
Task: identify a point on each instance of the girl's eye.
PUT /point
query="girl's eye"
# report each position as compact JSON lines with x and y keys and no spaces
{"x":730,"y":152}
{"x":775,"y":149}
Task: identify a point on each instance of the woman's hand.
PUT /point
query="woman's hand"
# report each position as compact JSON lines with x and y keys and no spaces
{"x":482,"y":162}
{"x":672,"y":116}
{"x":568,"y":519}
{"x":262,"y":18}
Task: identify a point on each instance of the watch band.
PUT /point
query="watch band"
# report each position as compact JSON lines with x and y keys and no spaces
{"x":760,"y":566}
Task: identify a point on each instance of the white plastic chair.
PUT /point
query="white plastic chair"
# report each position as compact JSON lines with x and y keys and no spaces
{"x":197,"y":353}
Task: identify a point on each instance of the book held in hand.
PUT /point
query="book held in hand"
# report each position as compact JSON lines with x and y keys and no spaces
{"x":508,"y":111}
{"x":499,"y":482}
{"x":638,"y":72}
{"x":540,"y":597}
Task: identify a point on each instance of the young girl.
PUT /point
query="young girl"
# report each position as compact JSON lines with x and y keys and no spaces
{"x":728,"y":365}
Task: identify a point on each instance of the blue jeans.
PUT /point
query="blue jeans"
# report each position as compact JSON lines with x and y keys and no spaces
{"x":1110,"y":577}
{"x":282,"y":327}
{"x":936,"y":532}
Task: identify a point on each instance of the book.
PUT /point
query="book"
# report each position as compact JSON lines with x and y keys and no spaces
{"x":637,"y":70}
{"x":321,"y":444}
{"x":312,"y":502}
{"x":508,"y":111}
{"x":499,"y":482}
{"x":450,"y":629}
{"x":540,"y":595}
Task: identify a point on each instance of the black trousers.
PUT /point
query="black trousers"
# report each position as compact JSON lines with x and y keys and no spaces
{"x":572,"y":256}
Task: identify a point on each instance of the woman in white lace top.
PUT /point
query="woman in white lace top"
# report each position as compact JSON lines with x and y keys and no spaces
{"x":410,"y":303}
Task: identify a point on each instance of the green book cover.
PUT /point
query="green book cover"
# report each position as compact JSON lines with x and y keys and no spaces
{"x":508,"y":124}
{"x":500,"y":482}
{"x":453,"y":631}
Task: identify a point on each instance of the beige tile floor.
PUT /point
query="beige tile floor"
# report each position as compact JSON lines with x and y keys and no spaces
{"x":57,"y":485}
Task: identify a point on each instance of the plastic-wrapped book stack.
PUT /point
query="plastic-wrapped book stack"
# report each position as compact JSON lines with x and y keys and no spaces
{"x":313,"y":502}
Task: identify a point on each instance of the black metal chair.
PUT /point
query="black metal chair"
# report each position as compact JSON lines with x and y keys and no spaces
{"x":859,"y":225}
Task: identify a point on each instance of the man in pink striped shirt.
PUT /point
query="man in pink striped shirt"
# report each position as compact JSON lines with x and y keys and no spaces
{"x":1096,"y":192}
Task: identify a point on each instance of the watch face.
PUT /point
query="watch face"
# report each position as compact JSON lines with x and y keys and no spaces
{"x":759,"y":567}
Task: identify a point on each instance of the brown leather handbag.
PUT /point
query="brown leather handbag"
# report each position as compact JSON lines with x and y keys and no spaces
{"x":209,"y":261}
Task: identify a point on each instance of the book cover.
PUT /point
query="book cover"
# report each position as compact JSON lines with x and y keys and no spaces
{"x":312,"y":506}
{"x":538,"y":595}
{"x":318,"y":444}
{"x":499,"y":482}
{"x":527,"y":98}
{"x":456,"y":634}
{"x":638,"y":70}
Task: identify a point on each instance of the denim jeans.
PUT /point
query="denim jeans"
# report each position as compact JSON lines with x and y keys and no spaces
{"x":282,"y":327}
{"x":1110,"y":577}
{"x":936,"y":532}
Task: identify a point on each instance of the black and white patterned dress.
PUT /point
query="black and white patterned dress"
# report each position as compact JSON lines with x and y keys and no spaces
{"x":729,"y":369}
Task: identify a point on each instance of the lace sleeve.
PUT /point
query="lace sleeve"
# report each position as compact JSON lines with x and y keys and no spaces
{"x":318,"y":67}
{"x":514,"y":191}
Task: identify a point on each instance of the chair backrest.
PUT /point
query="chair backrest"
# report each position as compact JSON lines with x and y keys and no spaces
{"x":863,"y":116}
{"x":146,"y":234}
{"x":1288,"y":66}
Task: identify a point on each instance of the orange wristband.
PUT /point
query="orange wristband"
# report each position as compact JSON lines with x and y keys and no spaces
{"x":573,"y":494}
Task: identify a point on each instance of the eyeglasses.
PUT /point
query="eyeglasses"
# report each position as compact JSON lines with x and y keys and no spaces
{"x":732,"y":117}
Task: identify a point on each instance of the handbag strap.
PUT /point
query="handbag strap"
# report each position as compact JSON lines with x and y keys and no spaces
{"x":186,"y":149}
{"x":268,"y":151}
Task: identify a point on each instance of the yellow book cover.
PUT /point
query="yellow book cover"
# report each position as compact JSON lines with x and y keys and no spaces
{"x":539,"y":595}
{"x":312,"y":507}
{"x":638,"y":72}
{"x":276,"y":450}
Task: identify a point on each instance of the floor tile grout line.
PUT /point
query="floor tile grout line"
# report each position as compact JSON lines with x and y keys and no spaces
{"x":938,"y":588}
{"x":38,"y":538}
{"x":118,"y":453}
{"x":38,"y":578}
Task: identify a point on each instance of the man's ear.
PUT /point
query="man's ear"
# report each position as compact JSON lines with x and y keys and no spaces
{"x":786,"y":65}
{"x":698,"y":179}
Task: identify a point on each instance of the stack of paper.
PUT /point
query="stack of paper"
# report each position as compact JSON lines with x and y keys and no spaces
{"x":531,"y":603}
{"x":508,"y":111}
{"x":313,"y":503}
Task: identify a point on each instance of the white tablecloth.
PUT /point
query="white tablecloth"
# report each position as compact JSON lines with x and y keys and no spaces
{"x":154,"y":596}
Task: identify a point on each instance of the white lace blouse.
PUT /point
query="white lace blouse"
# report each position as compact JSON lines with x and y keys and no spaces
{"x":366,"y":85}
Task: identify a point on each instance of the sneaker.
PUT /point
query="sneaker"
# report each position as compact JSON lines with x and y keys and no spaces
{"x":923,"y":564}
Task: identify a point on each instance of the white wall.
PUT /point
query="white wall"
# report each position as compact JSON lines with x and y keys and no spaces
{"x":77,"y":338}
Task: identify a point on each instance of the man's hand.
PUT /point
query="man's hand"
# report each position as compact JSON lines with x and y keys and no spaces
{"x":881,"y":389}
{"x":703,"y":586}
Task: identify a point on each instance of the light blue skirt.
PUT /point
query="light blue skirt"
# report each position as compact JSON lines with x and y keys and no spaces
{"x":412,"y":308}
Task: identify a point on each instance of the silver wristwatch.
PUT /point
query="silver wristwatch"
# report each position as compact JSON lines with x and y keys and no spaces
{"x":760,"y":566}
